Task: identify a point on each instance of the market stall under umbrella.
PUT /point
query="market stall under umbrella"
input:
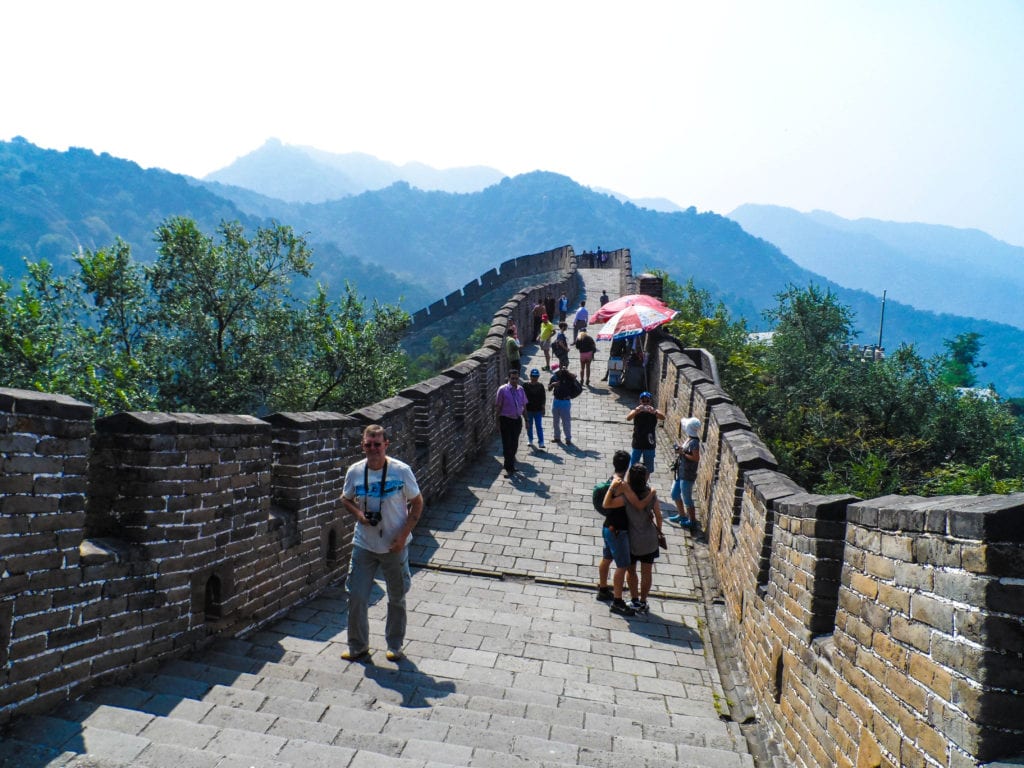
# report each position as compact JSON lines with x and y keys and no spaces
{"x":634,"y":320}
{"x":625,"y":324}
{"x":605,"y":313}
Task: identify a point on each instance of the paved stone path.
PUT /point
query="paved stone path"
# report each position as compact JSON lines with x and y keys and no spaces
{"x":511,"y":660}
{"x":543,"y":524}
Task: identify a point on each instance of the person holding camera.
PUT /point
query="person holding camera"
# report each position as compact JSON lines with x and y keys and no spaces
{"x":687,"y":462}
{"x":384,"y":497}
{"x":645,"y":418}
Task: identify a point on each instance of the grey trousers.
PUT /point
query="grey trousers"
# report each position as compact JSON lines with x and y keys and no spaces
{"x":394,"y":566}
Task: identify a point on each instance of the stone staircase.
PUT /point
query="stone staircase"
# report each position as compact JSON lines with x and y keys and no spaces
{"x":499,"y":673}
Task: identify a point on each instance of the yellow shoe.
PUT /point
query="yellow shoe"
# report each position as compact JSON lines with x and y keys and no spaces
{"x":394,"y":654}
{"x":351,"y":655}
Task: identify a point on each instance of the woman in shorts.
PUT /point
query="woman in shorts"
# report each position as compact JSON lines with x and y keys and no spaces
{"x":587,"y":346}
{"x":644,"y":513}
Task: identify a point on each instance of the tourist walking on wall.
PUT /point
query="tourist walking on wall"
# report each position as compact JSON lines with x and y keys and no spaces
{"x":536,"y":397}
{"x":547,"y":334}
{"x":512,"y":350}
{"x":563,"y":308}
{"x":587,"y":346}
{"x":510,"y":403}
{"x":604,"y":298}
{"x":564,"y":386}
{"x":549,"y":306}
{"x":645,"y":536}
{"x":615,"y":533}
{"x":688,"y":458}
{"x":560,"y":346}
{"x":384,"y":497}
{"x":538,"y":313}
{"x":580,"y":321}
{"x":645,"y":418}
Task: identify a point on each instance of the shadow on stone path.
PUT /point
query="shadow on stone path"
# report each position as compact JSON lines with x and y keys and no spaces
{"x":542,"y":524}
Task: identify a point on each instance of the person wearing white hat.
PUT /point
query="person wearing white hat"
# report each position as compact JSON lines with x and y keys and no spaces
{"x":688,"y":458}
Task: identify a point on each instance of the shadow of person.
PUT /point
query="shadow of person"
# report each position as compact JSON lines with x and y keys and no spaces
{"x":528,"y":480}
{"x":402,"y":683}
{"x":666,"y":630}
{"x":583,"y":453}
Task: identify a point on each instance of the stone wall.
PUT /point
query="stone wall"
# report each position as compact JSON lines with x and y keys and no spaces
{"x":885,"y":632}
{"x":560,"y":260}
{"x":134,"y":538}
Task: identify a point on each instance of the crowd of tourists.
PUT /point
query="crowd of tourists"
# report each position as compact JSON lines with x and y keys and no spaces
{"x":383,"y":496}
{"x":632,"y":527}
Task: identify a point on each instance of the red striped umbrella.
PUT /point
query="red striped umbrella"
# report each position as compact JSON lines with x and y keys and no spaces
{"x":604,"y":314}
{"x":632,"y":321}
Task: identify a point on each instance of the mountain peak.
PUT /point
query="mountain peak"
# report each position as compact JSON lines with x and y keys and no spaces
{"x":301,"y":174}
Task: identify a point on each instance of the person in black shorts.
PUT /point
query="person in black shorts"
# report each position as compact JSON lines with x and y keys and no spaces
{"x":615,"y":533}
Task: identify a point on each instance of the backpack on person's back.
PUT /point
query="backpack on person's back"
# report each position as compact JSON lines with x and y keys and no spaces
{"x":598,"y":494}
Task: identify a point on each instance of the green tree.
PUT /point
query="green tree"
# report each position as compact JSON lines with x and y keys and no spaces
{"x":224,"y":314}
{"x":37,"y":330}
{"x":348,"y":356}
{"x":119,"y":332}
{"x":212,"y":326}
{"x":838,"y":423}
{"x":705,"y":324}
{"x":962,"y":359}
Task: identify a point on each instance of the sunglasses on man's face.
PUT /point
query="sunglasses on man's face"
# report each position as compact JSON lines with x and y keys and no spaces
{"x":374,"y":444}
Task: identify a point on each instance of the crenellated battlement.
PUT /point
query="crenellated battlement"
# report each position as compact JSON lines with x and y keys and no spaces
{"x":882,"y":632}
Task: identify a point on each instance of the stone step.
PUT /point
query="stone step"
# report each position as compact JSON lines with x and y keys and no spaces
{"x":565,"y":729}
{"x":482,"y":699}
{"x":164,"y":744}
{"x":111,"y":737}
{"x":15,"y":753}
{"x":590,"y":680}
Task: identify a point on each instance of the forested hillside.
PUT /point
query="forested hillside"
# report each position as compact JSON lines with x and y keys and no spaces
{"x":54,"y":204}
{"x":449,"y":239}
{"x":51,"y":202}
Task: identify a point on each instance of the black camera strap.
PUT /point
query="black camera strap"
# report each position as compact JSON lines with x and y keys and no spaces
{"x":366,"y":492}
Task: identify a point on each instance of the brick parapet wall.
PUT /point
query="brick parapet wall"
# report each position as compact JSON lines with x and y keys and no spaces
{"x":559,"y":260}
{"x":929,"y":637}
{"x":885,"y":632}
{"x":46,"y":598}
{"x":141,"y":536}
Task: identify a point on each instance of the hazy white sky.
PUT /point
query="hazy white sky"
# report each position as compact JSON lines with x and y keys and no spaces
{"x":895,"y":109}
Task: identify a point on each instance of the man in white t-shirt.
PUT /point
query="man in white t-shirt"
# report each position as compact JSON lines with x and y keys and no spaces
{"x":383,"y":495}
{"x":581,"y":320}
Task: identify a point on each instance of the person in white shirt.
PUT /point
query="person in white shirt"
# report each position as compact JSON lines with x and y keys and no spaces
{"x":384,"y":497}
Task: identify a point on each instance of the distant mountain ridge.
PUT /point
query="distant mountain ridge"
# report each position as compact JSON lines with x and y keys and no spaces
{"x":54,"y":204}
{"x":423,"y":244}
{"x":298,"y":174}
{"x":446,"y":240}
{"x":943,"y":269}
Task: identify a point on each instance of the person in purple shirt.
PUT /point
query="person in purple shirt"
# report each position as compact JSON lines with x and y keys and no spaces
{"x":510,"y":402}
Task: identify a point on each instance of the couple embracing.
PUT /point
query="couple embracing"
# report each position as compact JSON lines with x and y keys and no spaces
{"x":632,"y":535}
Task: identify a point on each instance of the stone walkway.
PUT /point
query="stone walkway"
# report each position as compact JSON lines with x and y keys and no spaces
{"x":511,"y":660}
{"x":543,"y":525}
